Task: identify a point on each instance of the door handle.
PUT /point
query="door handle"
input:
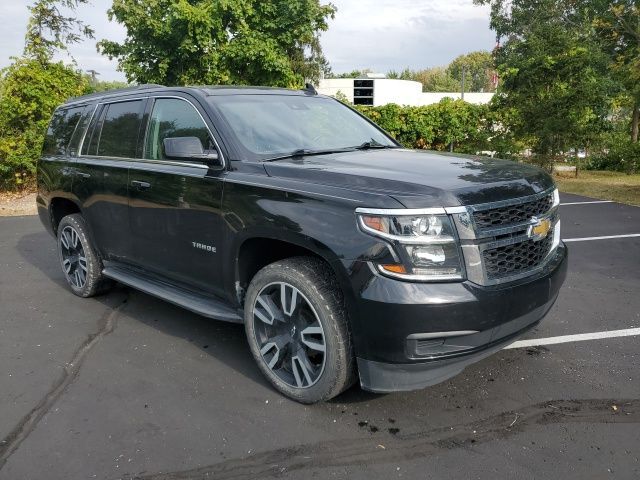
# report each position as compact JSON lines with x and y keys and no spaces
{"x":140,"y":185}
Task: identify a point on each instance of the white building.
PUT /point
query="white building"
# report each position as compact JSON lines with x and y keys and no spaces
{"x":381,"y":91}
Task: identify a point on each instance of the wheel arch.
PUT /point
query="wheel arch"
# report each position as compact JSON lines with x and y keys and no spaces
{"x":256,"y":252}
{"x":60,"y":207}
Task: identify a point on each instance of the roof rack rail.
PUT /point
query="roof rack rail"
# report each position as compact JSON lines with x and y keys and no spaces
{"x":132,"y":88}
{"x":310,"y":89}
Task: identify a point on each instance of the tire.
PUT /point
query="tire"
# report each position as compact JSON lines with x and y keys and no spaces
{"x":80,"y":263}
{"x":289,"y":350}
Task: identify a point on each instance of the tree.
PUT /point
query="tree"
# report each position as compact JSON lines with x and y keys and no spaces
{"x":353,"y":73}
{"x":103,"y":86}
{"x":30,"y":92}
{"x":175,"y":42}
{"x":436,"y":79}
{"x":478,"y":68}
{"x":554,"y":77}
{"x":49,"y":30}
{"x":33,"y":86}
{"x":617,"y":24}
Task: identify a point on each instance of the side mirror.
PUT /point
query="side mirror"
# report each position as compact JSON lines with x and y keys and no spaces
{"x":188,"y":148}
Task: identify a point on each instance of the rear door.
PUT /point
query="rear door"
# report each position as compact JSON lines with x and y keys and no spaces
{"x":101,"y":177}
{"x":175,"y":205}
{"x":55,"y":169}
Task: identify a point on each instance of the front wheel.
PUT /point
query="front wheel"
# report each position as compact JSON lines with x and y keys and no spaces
{"x":297,"y":329}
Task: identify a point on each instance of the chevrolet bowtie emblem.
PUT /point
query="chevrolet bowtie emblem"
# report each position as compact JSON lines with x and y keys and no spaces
{"x":539,"y":228}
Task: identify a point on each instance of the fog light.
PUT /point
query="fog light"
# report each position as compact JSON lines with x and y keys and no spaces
{"x":428,"y":254}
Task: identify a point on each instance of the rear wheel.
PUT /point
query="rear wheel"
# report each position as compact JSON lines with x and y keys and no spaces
{"x":297,"y":329}
{"x":80,"y":263}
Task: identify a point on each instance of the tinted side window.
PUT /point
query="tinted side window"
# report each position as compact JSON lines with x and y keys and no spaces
{"x":74,"y":143}
{"x":120,"y":126}
{"x":60,"y":129}
{"x":90,"y":144}
{"x":172,"y":117}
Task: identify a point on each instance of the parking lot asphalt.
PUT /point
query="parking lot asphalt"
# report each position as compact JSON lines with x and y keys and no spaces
{"x":127,"y":386}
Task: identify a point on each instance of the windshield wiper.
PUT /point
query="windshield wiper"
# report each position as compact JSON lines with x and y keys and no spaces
{"x":304,"y":152}
{"x":372,"y":144}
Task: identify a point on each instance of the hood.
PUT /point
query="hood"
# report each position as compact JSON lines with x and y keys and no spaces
{"x":418,"y":179}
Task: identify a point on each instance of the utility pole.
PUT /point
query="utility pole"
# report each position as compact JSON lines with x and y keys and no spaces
{"x":94,"y":79}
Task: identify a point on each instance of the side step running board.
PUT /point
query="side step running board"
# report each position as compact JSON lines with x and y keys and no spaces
{"x":196,"y":302}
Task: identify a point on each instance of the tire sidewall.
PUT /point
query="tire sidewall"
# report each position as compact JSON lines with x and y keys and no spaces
{"x":329,"y":377}
{"x":94,"y":266}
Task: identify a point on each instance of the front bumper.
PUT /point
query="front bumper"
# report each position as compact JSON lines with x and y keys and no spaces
{"x":412,"y":335}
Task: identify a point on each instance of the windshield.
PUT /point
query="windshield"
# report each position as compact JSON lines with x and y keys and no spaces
{"x":269,"y":126}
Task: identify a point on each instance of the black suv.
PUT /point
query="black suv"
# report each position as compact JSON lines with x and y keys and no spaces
{"x":344,"y":255}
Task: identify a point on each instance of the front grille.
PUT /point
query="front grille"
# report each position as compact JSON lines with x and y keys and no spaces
{"x":514,"y":259}
{"x":512,"y":214}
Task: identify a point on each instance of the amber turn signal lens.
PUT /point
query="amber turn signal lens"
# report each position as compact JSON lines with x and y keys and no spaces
{"x":373,"y":222}
{"x":395,"y":268}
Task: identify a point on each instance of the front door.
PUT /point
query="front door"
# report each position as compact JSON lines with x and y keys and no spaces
{"x":174,"y":206}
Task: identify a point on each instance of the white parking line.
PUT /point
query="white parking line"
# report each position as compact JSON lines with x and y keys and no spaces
{"x":580,"y":337}
{"x":587,"y":239}
{"x":586,"y":203}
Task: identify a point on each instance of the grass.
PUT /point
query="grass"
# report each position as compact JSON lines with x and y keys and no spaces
{"x":615,"y":186}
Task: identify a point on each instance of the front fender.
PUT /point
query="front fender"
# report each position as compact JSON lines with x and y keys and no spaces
{"x":315,"y":217}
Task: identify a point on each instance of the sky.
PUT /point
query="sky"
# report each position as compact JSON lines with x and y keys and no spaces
{"x":381,"y":35}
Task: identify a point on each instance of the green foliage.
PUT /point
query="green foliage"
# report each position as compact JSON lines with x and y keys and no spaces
{"x":342,"y":97}
{"x":435,"y":127}
{"x":33,"y":86}
{"x":29,"y":93}
{"x":353,"y":73}
{"x":49,"y":30}
{"x":436,"y":79}
{"x":554,"y":77}
{"x":478,"y":67}
{"x":617,"y":25}
{"x":175,"y":42}
{"x":623,"y":156}
{"x":102,"y":86}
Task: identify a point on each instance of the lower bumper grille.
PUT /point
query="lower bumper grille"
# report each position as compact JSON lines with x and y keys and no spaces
{"x":510,"y":260}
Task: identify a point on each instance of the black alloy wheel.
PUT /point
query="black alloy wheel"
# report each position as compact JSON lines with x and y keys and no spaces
{"x":289,"y":334}
{"x":74,"y":261}
{"x":298,"y":331}
{"x":81,"y":265}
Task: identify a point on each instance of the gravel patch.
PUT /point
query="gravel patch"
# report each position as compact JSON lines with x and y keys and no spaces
{"x":17,"y":204}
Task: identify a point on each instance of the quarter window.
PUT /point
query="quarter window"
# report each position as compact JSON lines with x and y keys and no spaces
{"x":60,"y":130}
{"x":119,"y":134}
{"x":172,"y":117}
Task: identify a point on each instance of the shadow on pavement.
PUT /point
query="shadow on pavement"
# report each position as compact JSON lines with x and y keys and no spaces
{"x":222,"y":340}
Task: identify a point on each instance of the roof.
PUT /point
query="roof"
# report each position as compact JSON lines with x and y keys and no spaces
{"x":207,"y":90}
{"x":247,"y":90}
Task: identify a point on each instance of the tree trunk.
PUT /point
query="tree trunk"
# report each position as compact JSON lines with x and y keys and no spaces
{"x":634,"y":123}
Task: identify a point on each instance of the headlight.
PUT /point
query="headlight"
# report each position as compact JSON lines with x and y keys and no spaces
{"x":426,"y":244}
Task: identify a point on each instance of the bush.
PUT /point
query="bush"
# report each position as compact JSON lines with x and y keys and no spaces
{"x":29,"y":93}
{"x":435,"y":126}
{"x":621,"y":157}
